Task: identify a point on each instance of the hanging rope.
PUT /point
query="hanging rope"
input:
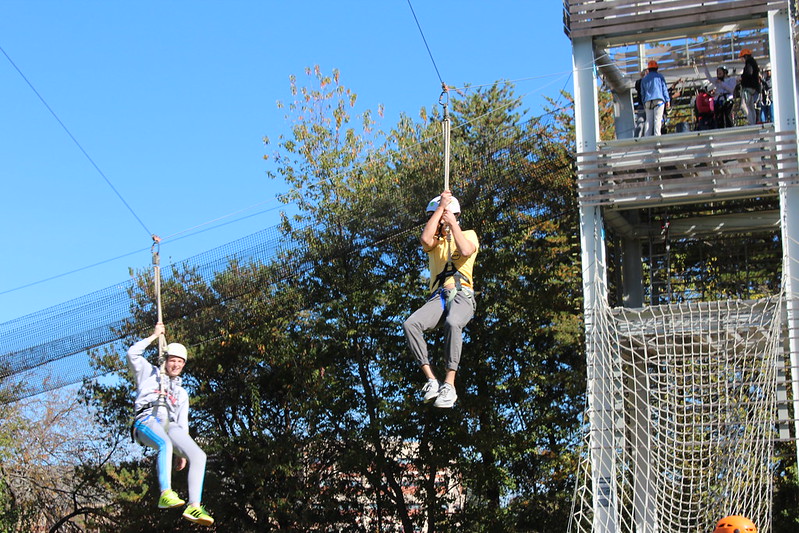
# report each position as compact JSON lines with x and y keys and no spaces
{"x":445,"y":129}
{"x":664,"y":231}
{"x":161,"y":338}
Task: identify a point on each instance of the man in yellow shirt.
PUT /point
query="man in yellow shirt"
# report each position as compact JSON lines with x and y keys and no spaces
{"x":451,"y":252}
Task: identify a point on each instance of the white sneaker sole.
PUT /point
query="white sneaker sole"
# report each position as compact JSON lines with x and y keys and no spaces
{"x":445,"y":405}
{"x":430,"y":399}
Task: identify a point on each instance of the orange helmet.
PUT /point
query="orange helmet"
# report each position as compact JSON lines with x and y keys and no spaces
{"x":745,"y":52}
{"x":652,"y":64}
{"x":735,"y":524}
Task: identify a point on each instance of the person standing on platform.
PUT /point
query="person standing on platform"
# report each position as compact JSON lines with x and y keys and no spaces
{"x":655,"y":95}
{"x":750,"y":87}
{"x":724,"y":90}
{"x":767,"y":106}
{"x":640,"y":112}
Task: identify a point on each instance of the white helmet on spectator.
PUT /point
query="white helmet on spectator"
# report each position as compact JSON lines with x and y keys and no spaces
{"x":177,"y":350}
{"x":453,"y":206}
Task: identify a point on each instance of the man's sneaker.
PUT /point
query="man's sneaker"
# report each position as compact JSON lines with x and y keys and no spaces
{"x":446,"y":396}
{"x":169,"y":499}
{"x":430,"y":390}
{"x":197,"y":514}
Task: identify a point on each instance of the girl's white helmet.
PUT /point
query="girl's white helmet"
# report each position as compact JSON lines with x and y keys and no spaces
{"x":177,"y":350}
{"x":453,"y":206}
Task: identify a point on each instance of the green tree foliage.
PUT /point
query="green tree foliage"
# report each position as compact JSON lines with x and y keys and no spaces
{"x":785,"y":514}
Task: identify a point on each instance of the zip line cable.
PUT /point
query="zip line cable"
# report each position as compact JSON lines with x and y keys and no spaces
{"x":143,"y":225}
{"x":443,"y":101}
{"x":425,"y":43}
{"x":465,"y":87}
{"x":51,"y":278}
{"x":174,"y":235}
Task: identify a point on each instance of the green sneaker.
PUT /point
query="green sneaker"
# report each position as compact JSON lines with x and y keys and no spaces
{"x":169,"y":499}
{"x":197,"y":514}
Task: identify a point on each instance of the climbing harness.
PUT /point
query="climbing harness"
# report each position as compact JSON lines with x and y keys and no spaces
{"x":449,"y":270}
{"x":152,"y":405}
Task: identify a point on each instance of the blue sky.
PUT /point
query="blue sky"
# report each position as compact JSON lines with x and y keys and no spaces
{"x":171,"y":100}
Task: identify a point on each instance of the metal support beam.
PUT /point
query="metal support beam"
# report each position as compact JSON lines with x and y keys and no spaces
{"x":592,"y":237}
{"x":621,"y":88}
{"x":785,"y":113}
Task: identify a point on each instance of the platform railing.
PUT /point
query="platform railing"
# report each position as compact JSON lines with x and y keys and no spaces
{"x":689,"y":167}
{"x":595,"y":18}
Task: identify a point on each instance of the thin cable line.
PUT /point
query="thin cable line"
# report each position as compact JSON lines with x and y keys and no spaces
{"x":31,"y":284}
{"x":425,"y":43}
{"x":187,"y":230}
{"x":172,"y":238}
{"x":562,"y":73}
{"x":76,"y":142}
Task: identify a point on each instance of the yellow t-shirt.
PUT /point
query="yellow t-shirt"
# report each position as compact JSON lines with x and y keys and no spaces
{"x":439,"y":254}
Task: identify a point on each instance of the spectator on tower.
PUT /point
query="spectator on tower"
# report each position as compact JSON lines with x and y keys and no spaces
{"x":766,"y":106}
{"x":724,"y":90}
{"x":750,"y":86}
{"x":640,"y":112}
{"x":655,"y":94}
{"x":704,"y":108}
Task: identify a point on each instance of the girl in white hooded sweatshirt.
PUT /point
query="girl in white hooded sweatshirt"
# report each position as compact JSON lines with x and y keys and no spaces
{"x":162,"y":422}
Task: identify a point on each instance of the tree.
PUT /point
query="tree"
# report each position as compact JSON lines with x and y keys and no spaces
{"x":47,"y":442}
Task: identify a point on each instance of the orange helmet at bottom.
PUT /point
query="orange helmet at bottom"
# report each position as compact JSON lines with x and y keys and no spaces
{"x":735,"y":524}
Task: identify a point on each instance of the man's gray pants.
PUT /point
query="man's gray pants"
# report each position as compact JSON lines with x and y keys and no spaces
{"x":460,"y":312}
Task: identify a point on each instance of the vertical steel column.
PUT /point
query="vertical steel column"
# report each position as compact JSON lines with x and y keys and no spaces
{"x":592,"y":239}
{"x":783,"y":80}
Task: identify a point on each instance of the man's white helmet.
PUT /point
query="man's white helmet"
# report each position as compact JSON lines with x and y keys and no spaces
{"x":453,"y":206}
{"x":177,"y":350}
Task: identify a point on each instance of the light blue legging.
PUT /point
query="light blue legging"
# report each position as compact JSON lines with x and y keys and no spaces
{"x":150,"y":432}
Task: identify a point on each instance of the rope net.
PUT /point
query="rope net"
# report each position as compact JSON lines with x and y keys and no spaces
{"x":683,"y":412}
{"x":49,"y":349}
